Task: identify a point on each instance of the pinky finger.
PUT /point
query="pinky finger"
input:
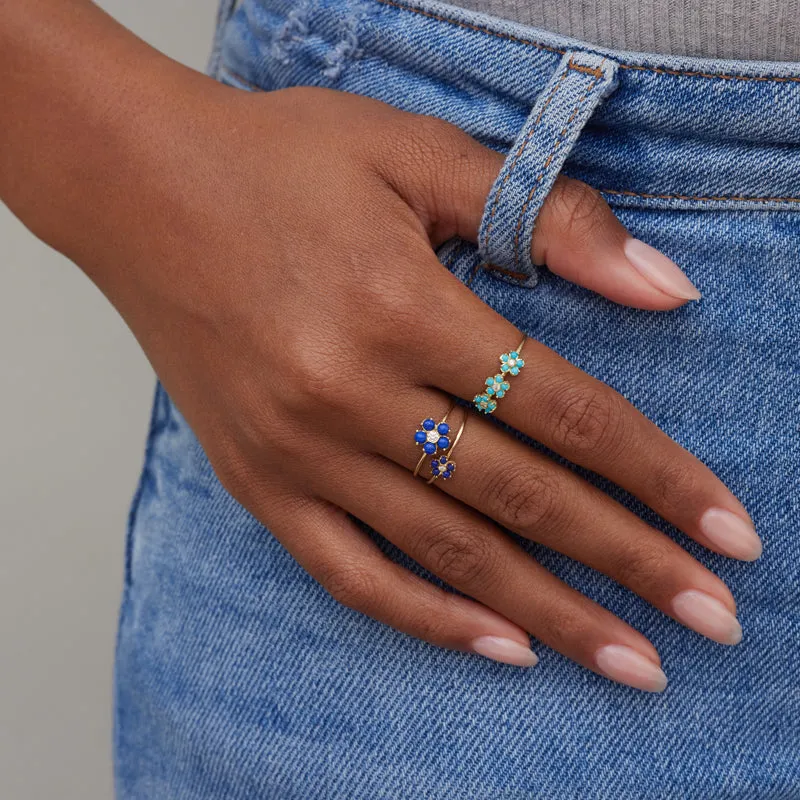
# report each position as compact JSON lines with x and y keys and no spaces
{"x":325,"y":541}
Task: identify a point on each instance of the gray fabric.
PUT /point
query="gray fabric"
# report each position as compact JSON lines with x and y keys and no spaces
{"x":767,"y":30}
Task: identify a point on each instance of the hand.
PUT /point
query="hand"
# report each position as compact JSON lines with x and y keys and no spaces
{"x":274,"y":255}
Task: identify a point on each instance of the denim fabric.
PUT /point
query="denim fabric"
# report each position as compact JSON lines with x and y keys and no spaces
{"x":238,"y":676}
{"x":535,"y":159}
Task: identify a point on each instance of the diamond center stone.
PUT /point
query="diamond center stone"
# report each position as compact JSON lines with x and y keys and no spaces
{"x":433,"y":436}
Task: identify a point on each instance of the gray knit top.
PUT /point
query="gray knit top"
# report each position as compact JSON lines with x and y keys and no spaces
{"x":766,"y":30}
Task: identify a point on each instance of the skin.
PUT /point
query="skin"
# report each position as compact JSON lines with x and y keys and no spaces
{"x":267,"y":251}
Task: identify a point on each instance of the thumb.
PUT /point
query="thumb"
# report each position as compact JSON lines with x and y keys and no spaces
{"x":576,"y":235}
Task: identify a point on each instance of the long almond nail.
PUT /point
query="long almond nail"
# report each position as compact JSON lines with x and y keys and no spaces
{"x":626,"y":665}
{"x":706,"y":615}
{"x":506,"y":650}
{"x":731,"y":533}
{"x":659,"y":271}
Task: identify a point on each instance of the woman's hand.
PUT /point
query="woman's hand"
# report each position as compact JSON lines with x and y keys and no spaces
{"x":274,"y":255}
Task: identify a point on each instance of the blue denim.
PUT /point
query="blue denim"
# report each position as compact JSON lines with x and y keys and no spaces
{"x":238,"y":676}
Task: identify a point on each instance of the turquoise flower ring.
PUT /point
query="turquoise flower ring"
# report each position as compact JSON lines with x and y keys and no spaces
{"x":511,"y":362}
{"x":498,"y":386}
{"x":484,"y":403}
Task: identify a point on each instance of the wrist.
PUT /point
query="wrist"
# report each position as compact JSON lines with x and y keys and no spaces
{"x":85,"y":99}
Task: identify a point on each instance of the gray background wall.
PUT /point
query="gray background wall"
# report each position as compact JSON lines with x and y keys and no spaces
{"x":75,"y":392}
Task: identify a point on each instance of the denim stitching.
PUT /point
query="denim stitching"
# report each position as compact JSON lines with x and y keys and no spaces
{"x":694,"y":198}
{"x":518,"y":154}
{"x":540,"y":46}
{"x":546,"y":165}
{"x":710,"y":198}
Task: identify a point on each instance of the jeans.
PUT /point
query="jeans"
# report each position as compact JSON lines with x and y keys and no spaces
{"x":238,"y":676}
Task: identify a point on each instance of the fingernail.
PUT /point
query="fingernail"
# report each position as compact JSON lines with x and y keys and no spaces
{"x":660,"y":271}
{"x":506,"y":650}
{"x":731,"y":533}
{"x":706,"y":615}
{"x":626,"y":665}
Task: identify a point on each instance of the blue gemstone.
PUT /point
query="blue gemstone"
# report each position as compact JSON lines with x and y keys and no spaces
{"x":444,"y":443}
{"x":429,"y":448}
{"x":435,"y":468}
{"x":447,"y":474}
{"x":428,"y":424}
{"x":443,"y":428}
{"x":420,"y":437}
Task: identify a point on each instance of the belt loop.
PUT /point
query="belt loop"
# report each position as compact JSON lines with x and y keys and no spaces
{"x":577,"y":87}
{"x":224,"y":12}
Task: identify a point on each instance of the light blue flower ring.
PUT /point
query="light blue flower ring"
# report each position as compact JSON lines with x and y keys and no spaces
{"x":484,"y":403}
{"x":511,"y":362}
{"x":496,"y":386}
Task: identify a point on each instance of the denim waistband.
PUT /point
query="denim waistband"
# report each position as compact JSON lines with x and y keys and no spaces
{"x":675,"y":131}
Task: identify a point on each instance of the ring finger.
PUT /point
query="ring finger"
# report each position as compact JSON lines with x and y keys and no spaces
{"x":474,"y":556}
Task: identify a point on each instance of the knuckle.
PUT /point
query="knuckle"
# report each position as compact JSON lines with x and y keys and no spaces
{"x":313,"y":375}
{"x":645,"y":567}
{"x":521,"y":497}
{"x":578,"y":210}
{"x":672,"y":484}
{"x":350,"y":585}
{"x":589,"y":420}
{"x":461,"y":557}
{"x":436,"y":626}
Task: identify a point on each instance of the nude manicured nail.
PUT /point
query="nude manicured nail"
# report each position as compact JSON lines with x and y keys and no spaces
{"x":506,"y":650}
{"x":706,"y":615}
{"x":731,"y":533}
{"x":659,"y":271}
{"x":626,"y":665}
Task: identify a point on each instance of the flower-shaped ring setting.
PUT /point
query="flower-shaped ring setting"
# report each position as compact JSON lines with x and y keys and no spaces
{"x":496,"y":386}
{"x":432,"y":436}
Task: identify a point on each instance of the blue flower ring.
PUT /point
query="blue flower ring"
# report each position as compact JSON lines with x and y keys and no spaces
{"x":496,"y":386}
{"x":442,"y":467}
{"x":432,"y":436}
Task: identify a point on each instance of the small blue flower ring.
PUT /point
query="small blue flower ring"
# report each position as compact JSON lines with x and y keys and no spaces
{"x":442,"y":467}
{"x":496,"y":386}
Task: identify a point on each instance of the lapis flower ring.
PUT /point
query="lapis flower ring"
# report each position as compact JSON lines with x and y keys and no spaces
{"x":443,"y":466}
{"x":432,"y":436}
{"x":497,"y":385}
